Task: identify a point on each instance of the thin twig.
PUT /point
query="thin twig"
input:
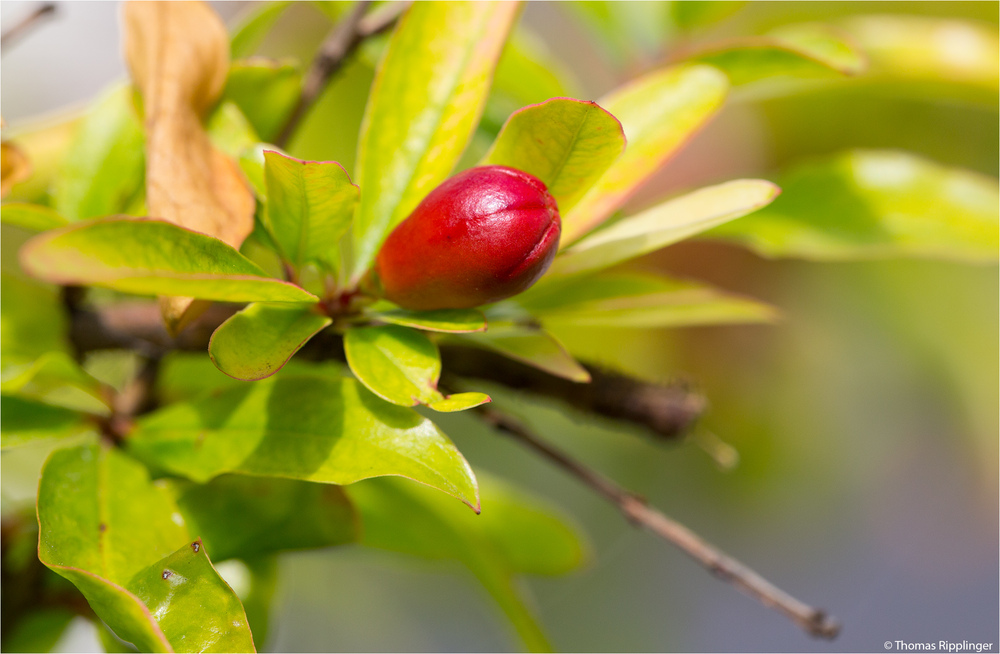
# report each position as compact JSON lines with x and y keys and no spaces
{"x":342,"y":41}
{"x":23,"y":26}
{"x":638,"y":512}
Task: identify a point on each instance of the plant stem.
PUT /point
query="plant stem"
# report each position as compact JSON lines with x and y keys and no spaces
{"x":639,"y":513}
{"x":23,"y":26}
{"x":342,"y":41}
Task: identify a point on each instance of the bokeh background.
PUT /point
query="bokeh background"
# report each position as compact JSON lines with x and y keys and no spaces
{"x":866,"y":420}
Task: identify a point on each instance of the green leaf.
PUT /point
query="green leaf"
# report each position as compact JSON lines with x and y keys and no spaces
{"x":460,"y":402}
{"x":35,"y":217}
{"x":26,"y":421}
{"x":532,"y":346}
{"x":691,"y":14}
{"x":254,"y":27}
{"x":399,"y":364}
{"x":187,"y":375}
{"x":32,"y":321}
{"x":427,"y":97}
{"x":104,"y":169}
{"x":516,"y":534}
{"x":266,"y":91}
{"x":664,"y":224}
{"x":567,"y":144}
{"x":442,"y":320}
{"x":195,"y":608}
{"x":57,"y":379}
{"x":256,"y":342}
{"x":246,"y":517}
{"x":230,"y":131}
{"x":152,"y":257}
{"x":628,"y":299}
{"x":310,"y":205}
{"x":803,"y":51}
{"x":308,"y":427}
{"x":659,"y":113}
{"x":871,"y":203}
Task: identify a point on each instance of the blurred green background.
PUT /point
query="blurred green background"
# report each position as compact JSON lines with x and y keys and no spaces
{"x":866,"y":421}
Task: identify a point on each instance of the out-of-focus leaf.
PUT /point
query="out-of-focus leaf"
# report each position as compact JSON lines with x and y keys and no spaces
{"x":256,"y":342}
{"x":659,"y":113}
{"x":39,"y":631}
{"x":194,"y":607}
{"x":265,"y":91}
{"x":246,"y":517}
{"x":425,"y":102}
{"x":32,"y":321}
{"x":869,"y":203}
{"x":254,"y":26}
{"x":56,"y":378}
{"x":532,"y":346}
{"x":152,"y":257}
{"x":230,"y":131}
{"x":178,"y":55}
{"x":938,"y":52}
{"x":307,"y":427}
{"x":629,"y":299}
{"x":514,"y":535}
{"x":310,"y":205}
{"x":629,"y":32}
{"x":35,"y":217}
{"x":460,"y":402}
{"x":567,"y":144}
{"x":45,"y":144}
{"x":442,"y":320}
{"x":104,"y":169}
{"x":15,"y":167}
{"x":399,"y":364}
{"x":801,"y":51}
{"x":258,"y":596}
{"x":664,"y":224}
{"x":187,"y":375}
{"x":26,"y":421}
{"x":692,"y":14}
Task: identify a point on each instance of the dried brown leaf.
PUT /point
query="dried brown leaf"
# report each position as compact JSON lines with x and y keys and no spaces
{"x":178,"y":54}
{"x":14,"y":167}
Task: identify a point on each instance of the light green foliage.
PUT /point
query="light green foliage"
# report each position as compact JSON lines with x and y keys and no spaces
{"x":34,"y":217}
{"x":32,"y":321}
{"x":460,"y":402}
{"x":441,"y":320}
{"x":869,"y":203}
{"x":659,"y":112}
{"x":265,"y":91}
{"x":255,"y":26}
{"x":256,"y":342}
{"x":57,"y":379}
{"x":399,"y":364}
{"x":532,"y":346}
{"x":692,"y":14}
{"x":425,"y":101}
{"x":309,"y":428}
{"x":567,"y":144}
{"x":26,"y":421}
{"x":152,"y":257}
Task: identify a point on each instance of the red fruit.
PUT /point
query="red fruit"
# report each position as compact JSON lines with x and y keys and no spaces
{"x":484,"y":235}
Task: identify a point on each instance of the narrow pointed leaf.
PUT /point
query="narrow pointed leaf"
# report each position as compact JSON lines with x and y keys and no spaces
{"x":307,"y":427}
{"x":310,"y":205}
{"x":266,"y":91}
{"x":443,"y":320}
{"x":870,"y":203}
{"x":247,"y":517}
{"x":532,"y":346}
{"x":399,"y":364}
{"x":627,"y":299}
{"x":460,"y":402}
{"x":152,"y":257}
{"x":425,"y":102}
{"x":567,"y":144}
{"x":256,"y":342}
{"x":35,"y":217}
{"x":252,"y":28}
{"x":104,"y":168}
{"x":26,"y":421}
{"x":659,"y":113}
{"x":664,"y":224}
{"x":56,"y":378}
{"x":692,"y":14}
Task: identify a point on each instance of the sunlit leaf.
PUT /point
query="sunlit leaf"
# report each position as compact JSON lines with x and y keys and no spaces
{"x":870,"y":203}
{"x":516,"y":534}
{"x":56,"y":378}
{"x":152,"y":257}
{"x":460,"y":402}
{"x":441,"y":320}
{"x":265,"y":91}
{"x":32,"y":321}
{"x":532,"y":346}
{"x":35,"y":217}
{"x":246,"y":517}
{"x":254,"y":26}
{"x":307,"y":427}
{"x":256,"y":342}
{"x":310,"y":205}
{"x":425,"y":102}
{"x":230,"y":131}
{"x":26,"y":421}
{"x":104,"y":168}
{"x":659,"y":113}
{"x":692,"y":14}
{"x":399,"y":364}
{"x":567,"y":144}
{"x":664,"y":224}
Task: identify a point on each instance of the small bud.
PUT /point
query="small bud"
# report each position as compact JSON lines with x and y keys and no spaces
{"x":484,"y":235}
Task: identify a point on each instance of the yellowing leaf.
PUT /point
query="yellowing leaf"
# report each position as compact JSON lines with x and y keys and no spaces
{"x":14,"y":167}
{"x":178,"y":55}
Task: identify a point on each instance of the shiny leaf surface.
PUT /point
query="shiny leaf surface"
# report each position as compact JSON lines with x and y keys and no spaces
{"x":399,"y":364}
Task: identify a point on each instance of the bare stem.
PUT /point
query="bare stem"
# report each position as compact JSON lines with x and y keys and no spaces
{"x":638,"y":512}
{"x":23,"y":26}
{"x":342,"y":41}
